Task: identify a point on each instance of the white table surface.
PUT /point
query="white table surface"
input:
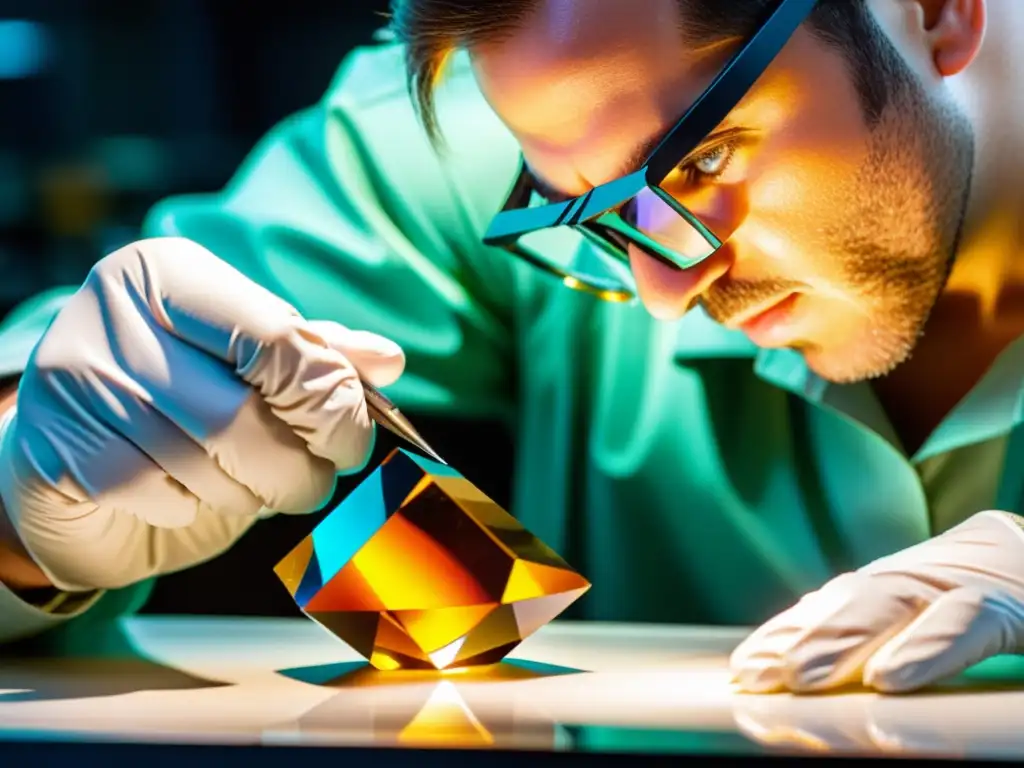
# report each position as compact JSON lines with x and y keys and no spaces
{"x":640,"y":688}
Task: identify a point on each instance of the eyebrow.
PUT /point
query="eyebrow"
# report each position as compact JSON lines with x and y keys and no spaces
{"x":633,"y":163}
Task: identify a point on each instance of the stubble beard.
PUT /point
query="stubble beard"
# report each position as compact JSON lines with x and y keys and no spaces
{"x":895,"y":243}
{"x":901,"y":233}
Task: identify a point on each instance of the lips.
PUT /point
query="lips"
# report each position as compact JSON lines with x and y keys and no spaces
{"x":770,"y":326}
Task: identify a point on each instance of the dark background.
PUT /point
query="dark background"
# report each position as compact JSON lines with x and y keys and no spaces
{"x":106,"y":106}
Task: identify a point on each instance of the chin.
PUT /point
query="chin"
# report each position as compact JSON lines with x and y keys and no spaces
{"x":832,"y":367}
{"x":846,"y":347}
{"x":853,"y":362}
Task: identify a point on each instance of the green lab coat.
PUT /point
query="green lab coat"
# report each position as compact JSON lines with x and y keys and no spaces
{"x":689,"y":475}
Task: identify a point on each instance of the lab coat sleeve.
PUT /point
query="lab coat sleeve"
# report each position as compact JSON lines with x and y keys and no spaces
{"x":21,"y":617}
{"x":345,"y":211}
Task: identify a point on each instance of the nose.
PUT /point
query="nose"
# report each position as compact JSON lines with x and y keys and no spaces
{"x":667,"y":291}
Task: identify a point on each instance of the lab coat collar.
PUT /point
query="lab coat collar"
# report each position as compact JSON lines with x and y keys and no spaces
{"x":698,"y":337}
{"x":993,"y":408}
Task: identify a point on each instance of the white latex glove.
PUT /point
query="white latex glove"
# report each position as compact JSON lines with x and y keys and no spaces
{"x":172,"y":403}
{"x":902,"y":622}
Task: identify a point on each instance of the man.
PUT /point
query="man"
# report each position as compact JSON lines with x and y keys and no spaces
{"x":854,"y":202}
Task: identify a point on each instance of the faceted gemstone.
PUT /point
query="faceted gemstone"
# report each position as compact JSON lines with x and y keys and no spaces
{"x":418,"y":569}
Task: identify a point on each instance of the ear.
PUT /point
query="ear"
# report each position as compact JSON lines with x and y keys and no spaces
{"x":954,"y":30}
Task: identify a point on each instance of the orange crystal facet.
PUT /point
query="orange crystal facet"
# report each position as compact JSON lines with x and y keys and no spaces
{"x":418,"y":569}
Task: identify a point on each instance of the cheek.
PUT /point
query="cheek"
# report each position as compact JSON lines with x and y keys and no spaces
{"x":834,"y":326}
{"x":805,"y":160}
{"x":799,"y":197}
{"x":802,"y":167}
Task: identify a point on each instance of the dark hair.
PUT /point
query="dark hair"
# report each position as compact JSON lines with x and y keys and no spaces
{"x":432,"y":30}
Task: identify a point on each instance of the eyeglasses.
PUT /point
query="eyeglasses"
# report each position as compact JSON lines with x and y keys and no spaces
{"x":640,"y":208}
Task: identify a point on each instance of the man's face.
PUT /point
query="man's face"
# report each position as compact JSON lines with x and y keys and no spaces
{"x":840,"y":234}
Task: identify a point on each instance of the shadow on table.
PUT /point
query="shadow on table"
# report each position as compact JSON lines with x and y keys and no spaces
{"x":102,"y":662}
{"x":360,"y":674}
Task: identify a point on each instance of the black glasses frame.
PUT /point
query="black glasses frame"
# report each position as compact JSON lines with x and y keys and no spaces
{"x":592,"y":214}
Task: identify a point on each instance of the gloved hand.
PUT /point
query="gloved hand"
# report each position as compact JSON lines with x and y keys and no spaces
{"x":171,"y":404}
{"x":902,"y":622}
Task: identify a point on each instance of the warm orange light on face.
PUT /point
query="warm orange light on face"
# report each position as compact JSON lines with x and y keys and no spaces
{"x":418,"y":569}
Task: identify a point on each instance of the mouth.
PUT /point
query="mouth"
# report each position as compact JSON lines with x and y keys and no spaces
{"x":764,"y":324}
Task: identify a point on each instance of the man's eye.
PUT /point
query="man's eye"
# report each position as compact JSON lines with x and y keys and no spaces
{"x":712,"y":163}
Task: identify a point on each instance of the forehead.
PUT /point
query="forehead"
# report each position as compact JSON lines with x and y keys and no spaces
{"x":576,"y":74}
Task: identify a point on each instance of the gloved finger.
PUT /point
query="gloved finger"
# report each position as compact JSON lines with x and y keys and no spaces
{"x":125,"y":518}
{"x":265,"y":455}
{"x":862,"y":618}
{"x":185,"y":410}
{"x":187,"y":291}
{"x":113,"y":547}
{"x":211,"y":534}
{"x":759,"y":662}
{"x":960,"y":629}
{"x":807,"y":610}
{"x":378,"y":360}
{"x":832,"y":633}
{"x":91,"y":540}
{"x":94,"y":462}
